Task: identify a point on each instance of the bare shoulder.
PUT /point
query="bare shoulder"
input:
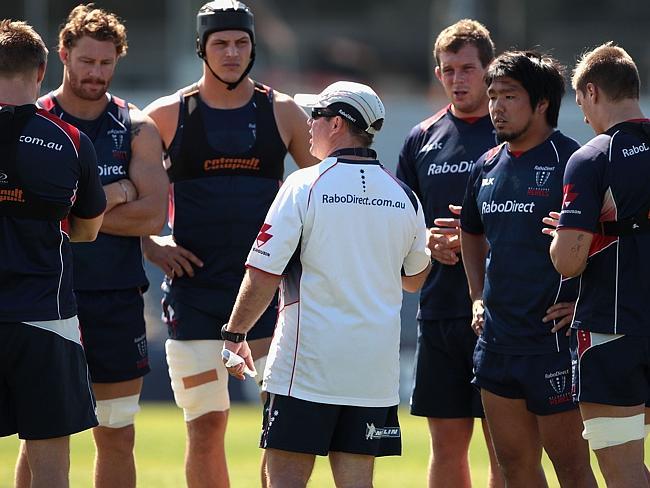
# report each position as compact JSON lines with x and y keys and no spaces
{"x":164,"y":114}
{"x":286,"y":105}
{"x":293,"y":127}
{"x":141,"y":122}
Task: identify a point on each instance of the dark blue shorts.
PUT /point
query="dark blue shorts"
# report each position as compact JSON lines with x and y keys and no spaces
{"x":294,"y":425}
{"x":444,"y":370}
{"x":543,"y":380}
{"x":186,"y":322}
{"x":44,"y":386}
{"x":610,"y":372}
{"x":113,"y":334}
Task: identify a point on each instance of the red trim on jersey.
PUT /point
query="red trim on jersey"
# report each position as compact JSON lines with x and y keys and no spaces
{"x":601,"y":242}
{"x":516,"y":154}
{"x":584,"y":342}
{"x":490,"y":154}
{"x":250,"y":266}
{"x":171,"y":207}
{"x":316,"y":181}
{"x":47,"y":102}
{"x":120,"y":102}
{"x":65,"y":225}
{"x":69,"y":129}
{"x":295,"y":351}
{"x":638,"y":121}
{"x":470,"y":120}
{"x":427,"y":123}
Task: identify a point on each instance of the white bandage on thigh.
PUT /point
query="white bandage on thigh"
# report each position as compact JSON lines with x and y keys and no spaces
{"x":117,"y":412}
{"x":260,"y":364}
{"x":604,"y":432}
{"x":199,"y":378}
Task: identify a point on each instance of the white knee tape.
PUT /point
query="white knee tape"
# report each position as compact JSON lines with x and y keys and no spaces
{"x":117,"y":412}
{"x":602,"y":432}
{"x":260,"y":364}
{"x":199,"y":378}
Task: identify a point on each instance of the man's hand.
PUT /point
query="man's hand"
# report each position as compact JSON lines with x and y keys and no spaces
{"x":174,"y":260}
{"x":562,"y":313}
{"x":242,"y":350}
{"x":552,"y":221}
{"x":444,"y":239}
{"x":478,"y":316}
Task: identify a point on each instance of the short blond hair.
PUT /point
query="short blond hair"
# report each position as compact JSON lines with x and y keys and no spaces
{"x":462,"y":33}
{"x":98,"y":24}
{"x":611,"y":69}
{"x":21,"y":48}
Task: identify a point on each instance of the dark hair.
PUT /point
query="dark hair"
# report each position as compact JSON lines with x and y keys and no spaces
{"x":21,"y":48}
{"x":98,"y":24}
{"x":540,"y":75}
{"x":462,"y":33}
{"x":611,"y":69}
{"x":364,"y":138}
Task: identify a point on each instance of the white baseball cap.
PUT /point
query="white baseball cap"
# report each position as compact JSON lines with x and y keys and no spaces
{"x":356,"y":102}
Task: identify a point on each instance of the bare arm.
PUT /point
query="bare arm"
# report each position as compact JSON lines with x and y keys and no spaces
{"x":569,"y":251}
{"x":255,"y":294}
{"x":84,"y":230}
{"x":146,"y":213}
{"x":415,"y":282}
{"x":474,"y":249}
{"x":292,"y":124}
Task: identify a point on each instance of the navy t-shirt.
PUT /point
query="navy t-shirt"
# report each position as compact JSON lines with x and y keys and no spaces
{"x":435,"y":162}
{"x":506,"y":199}
{"x":56,"y":163}
{"x":608,"y":179}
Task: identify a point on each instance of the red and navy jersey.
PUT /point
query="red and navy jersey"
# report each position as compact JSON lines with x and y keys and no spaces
{"x":110,"y":262}
{"x":507,"y":196}
{"x":435,"y":162}
{"x":608,"y":179}
{"x":226,"y":168}
{"x":54,"y":165}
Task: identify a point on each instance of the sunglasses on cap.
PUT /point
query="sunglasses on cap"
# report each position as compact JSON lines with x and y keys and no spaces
{"x":318,"y":112}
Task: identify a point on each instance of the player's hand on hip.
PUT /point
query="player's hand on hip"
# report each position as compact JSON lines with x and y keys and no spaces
{"x":478,"y":316}
{"x":242,"y":350}
{"x":562,"y":314}
{"x":552,"y":221}
{"x":174,"y":260}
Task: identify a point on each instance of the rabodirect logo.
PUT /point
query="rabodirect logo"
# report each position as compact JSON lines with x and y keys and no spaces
{"x":509,"y":206}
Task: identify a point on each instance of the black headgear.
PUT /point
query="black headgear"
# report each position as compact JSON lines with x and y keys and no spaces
{"x":221,"y":15}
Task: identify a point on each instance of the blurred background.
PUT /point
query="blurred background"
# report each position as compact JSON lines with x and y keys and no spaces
{"x":305,"y":45}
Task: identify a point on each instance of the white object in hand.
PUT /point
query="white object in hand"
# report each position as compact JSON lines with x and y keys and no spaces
{"x":233,"y":359}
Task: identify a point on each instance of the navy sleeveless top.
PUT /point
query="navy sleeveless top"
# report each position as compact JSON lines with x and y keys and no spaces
{"x":111,"y":262}
{"x":226,"y":168}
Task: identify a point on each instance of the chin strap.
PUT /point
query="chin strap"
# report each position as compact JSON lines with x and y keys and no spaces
{"x":229,"y":85}
{"x":362,"y":152}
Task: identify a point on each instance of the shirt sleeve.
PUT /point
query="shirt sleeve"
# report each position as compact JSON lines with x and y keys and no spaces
{"x":280,"y":234}
{"x":419,"y":255}
{"x":90,"y":199}
{"x":406,"y":165}
{"x":582,"y":200}
{"x":470,"y":217}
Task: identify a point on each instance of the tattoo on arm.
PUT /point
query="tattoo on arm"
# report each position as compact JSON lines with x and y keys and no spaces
{"x":136,"y":127}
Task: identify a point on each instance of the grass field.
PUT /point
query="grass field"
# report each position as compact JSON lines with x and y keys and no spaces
{"x":161,"y":443}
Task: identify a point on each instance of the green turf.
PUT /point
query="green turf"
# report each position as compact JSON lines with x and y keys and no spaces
{"x":161,"y":443}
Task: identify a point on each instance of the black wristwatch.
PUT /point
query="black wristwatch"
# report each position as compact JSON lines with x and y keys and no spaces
{"x":226,"y":335}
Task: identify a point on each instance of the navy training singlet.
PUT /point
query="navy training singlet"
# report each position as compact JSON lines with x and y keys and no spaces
{"x":111,"y":262}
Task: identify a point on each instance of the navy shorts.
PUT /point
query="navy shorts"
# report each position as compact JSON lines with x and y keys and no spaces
{"x":290,"y":424}
{"x":186,"y":322}
{"x":611,"y":370}
{"x":113,"y":334}
{"x":543,"y":380}
{"x":44,"y":386}
{"x":444,"y":370}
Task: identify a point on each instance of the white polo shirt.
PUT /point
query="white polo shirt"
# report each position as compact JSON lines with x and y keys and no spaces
{"x":341,"y":233}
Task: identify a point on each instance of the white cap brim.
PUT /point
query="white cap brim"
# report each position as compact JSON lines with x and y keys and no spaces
{"x":307,"y":99}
